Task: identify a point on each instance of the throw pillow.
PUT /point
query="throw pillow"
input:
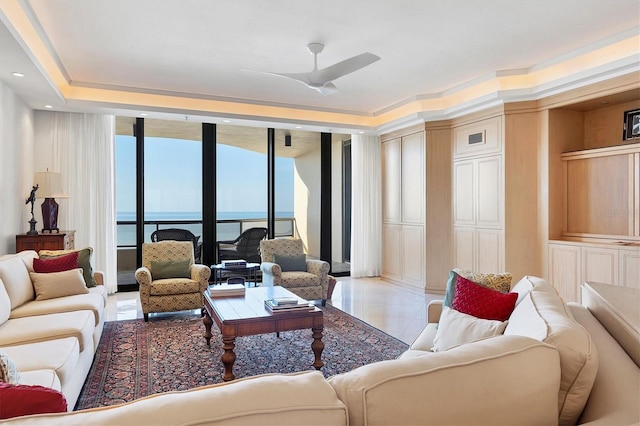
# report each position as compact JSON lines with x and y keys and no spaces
{"x":170,"y":269}
{"x":291,"y":263}
{"x":58,"y":284}
{"x":84,"y":261}
{"x":56,"y":264}
{"x":456,"y":328}
{"x":500,"y":282}
{"x":8,"y":370}
{"x":481,"y":302}
{"x":22,"y":400}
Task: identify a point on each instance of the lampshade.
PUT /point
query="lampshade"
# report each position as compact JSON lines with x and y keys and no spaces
{"x":49,"y":185}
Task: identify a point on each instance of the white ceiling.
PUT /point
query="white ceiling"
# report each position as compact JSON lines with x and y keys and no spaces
{"x":195,"y":50}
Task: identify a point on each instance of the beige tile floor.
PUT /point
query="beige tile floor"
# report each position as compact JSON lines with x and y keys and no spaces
{"x":394,"y":309}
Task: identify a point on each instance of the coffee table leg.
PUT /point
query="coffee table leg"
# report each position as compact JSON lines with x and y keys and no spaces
{"x":207,"y":327}
{"x":317,"y":346}
{"x":228,"y":357}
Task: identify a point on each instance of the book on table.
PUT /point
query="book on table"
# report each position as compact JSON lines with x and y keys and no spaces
{"x":227,"y":290}
{"x":287,"y":305}
{"x":235,"y":263}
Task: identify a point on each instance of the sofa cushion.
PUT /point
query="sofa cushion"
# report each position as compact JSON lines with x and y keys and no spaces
{"x":284,"y":400}
{"x":481,"y":302}
{"x":484,"y":377}
{"x":543,"y":316}
{"x":500,"y":282}
{"x":294,"y":279}
{"x":9,"y":372}
{"x":58,"y":284}
{"x":15,"y":276}
{"x":424,"y":341}
{"x":62,"y":357}
{"x":41,"y":328}
{"x":171,"y":286}
{"x":23,"y":400}
{"x":456,"y":328}
{"x":5,"y":303}
{"x":93,"y":301}
{"x":44,"y":377}
{"x":84,"y":261}
{"x":528,"y":283}
{"x":57,"y":264}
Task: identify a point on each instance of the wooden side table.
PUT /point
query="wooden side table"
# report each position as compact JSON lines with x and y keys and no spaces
{"x":63,"y":240}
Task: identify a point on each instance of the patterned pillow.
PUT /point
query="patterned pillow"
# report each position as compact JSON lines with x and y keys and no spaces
{"x":481,"y":302}
{"x":84,"y":261}
{"x":500,"y":282}
{"x":21,"y":400}
{"x":56,"y":264}
{"x":8,"y":370}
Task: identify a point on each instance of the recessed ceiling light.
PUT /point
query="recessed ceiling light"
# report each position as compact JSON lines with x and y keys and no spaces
{"x":226,"y":121}
{"x":298,"y":127}
{"x":143,"y":114}
{"x":17,"y":74}
{"x":361,"y":132}
{"x":48,"y":106}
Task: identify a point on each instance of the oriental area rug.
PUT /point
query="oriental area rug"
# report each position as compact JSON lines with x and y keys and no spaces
{"x":135,"y":359}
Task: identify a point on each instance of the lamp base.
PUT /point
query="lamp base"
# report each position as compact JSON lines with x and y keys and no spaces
{"x":32,"y":227}
{"x":50,"y":215}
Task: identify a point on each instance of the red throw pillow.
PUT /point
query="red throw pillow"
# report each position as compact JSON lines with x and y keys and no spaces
{"x":56,"y":264}
{"x":481,"y":302}
{"x":22,"y":400}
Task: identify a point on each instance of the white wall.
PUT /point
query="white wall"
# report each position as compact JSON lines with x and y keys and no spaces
{"x":16,"y":167}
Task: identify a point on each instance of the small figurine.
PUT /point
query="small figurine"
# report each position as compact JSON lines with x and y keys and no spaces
{"x":32,"y":199}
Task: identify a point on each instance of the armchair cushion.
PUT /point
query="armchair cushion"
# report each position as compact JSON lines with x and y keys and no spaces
{"x":170,"y":269}
{"x":291,"y":263}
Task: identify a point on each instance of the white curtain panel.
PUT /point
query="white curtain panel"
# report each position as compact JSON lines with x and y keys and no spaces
{"x":82,"y":148}
{"x":366,"y":206}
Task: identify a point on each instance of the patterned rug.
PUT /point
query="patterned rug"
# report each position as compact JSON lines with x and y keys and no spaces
{"x":135,"y":359}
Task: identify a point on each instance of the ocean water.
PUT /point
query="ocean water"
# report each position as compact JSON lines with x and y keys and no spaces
{"x":126,"y":233}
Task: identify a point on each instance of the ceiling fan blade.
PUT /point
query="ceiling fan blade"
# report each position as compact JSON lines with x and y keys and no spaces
{"x":302,"y":77}
{"x":342,"y":68}
{"x":327,"y":89}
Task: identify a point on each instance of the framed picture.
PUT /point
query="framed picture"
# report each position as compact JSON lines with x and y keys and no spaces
{"x":631,"y":124}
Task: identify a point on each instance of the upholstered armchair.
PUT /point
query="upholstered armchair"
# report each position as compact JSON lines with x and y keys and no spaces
{"x":307,"y":278}
{"x":169,"y":279}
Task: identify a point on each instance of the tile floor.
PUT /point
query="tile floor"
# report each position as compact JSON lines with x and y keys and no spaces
{"x":394,"y":309}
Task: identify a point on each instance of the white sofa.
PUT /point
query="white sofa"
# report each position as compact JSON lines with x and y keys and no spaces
{"x":543,"y":370}
{"x":51,"y":341}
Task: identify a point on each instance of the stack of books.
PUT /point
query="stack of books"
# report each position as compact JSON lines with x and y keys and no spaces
{"x":287,"y":304}
{"x":237,"y":263}
{"x":226,"y":290}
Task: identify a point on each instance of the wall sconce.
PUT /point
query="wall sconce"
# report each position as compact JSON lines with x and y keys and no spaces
{"x":49,"y":188}
{"x":287,"y":140}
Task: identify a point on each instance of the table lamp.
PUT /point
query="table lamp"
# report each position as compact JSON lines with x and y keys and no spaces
{"x":49,"y":188}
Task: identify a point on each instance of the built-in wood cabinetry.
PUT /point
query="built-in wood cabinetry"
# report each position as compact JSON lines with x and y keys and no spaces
{"x":403,"y":211}
{"x":594,"y":205}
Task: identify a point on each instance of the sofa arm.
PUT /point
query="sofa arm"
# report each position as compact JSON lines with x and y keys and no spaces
{"x":434,"y":309}
{"x":98,"y":277}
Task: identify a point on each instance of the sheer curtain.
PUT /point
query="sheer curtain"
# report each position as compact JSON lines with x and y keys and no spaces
{"x":366,"y":208}
{"x":81,"y":148}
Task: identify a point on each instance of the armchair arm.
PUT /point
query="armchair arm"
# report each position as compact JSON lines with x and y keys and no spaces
{"x":200,"y":273}
{"x":143,"y":276}
{"x":271,"y":273}
{"x":434,"y":309}
{"x":317,"y":267}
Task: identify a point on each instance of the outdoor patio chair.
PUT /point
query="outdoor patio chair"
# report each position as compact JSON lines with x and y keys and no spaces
{"x":245,"y":247}
{"x":177,"y":234}
{"x":284,"y":263}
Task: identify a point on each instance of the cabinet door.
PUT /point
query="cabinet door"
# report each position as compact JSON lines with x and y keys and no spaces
{"x":488,"y":251}
{"x":463,"y":247}
{"x":391,"y":180}
{"x":600,"y":265}
{"x":413,"y":255}
{"x":413,"y":191}
{"x":629,"y":275}
{"x":564,"y":271}
{"x":391,"y":260}
{"x":489,"y":191}
{"x":463,"y":193}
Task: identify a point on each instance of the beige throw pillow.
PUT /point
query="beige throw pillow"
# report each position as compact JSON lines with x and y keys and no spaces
{"x":58,"y":284}
{"x":456,"y":328}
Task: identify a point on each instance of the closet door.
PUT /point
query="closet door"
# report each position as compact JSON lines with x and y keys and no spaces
{"x":413,"y":178}
{"x":391,"y":181}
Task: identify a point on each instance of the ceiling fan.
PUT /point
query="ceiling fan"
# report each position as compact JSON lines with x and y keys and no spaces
{"x":322,"y":79}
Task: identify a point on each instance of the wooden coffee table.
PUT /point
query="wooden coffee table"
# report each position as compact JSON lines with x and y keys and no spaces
{"x":247,"y":316}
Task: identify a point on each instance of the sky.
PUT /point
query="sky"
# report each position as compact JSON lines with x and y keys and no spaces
{"x":173,"y":182}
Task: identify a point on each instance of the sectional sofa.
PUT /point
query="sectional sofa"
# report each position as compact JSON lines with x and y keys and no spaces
{"x":52,"y":340}
{"x":553,"y":364}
